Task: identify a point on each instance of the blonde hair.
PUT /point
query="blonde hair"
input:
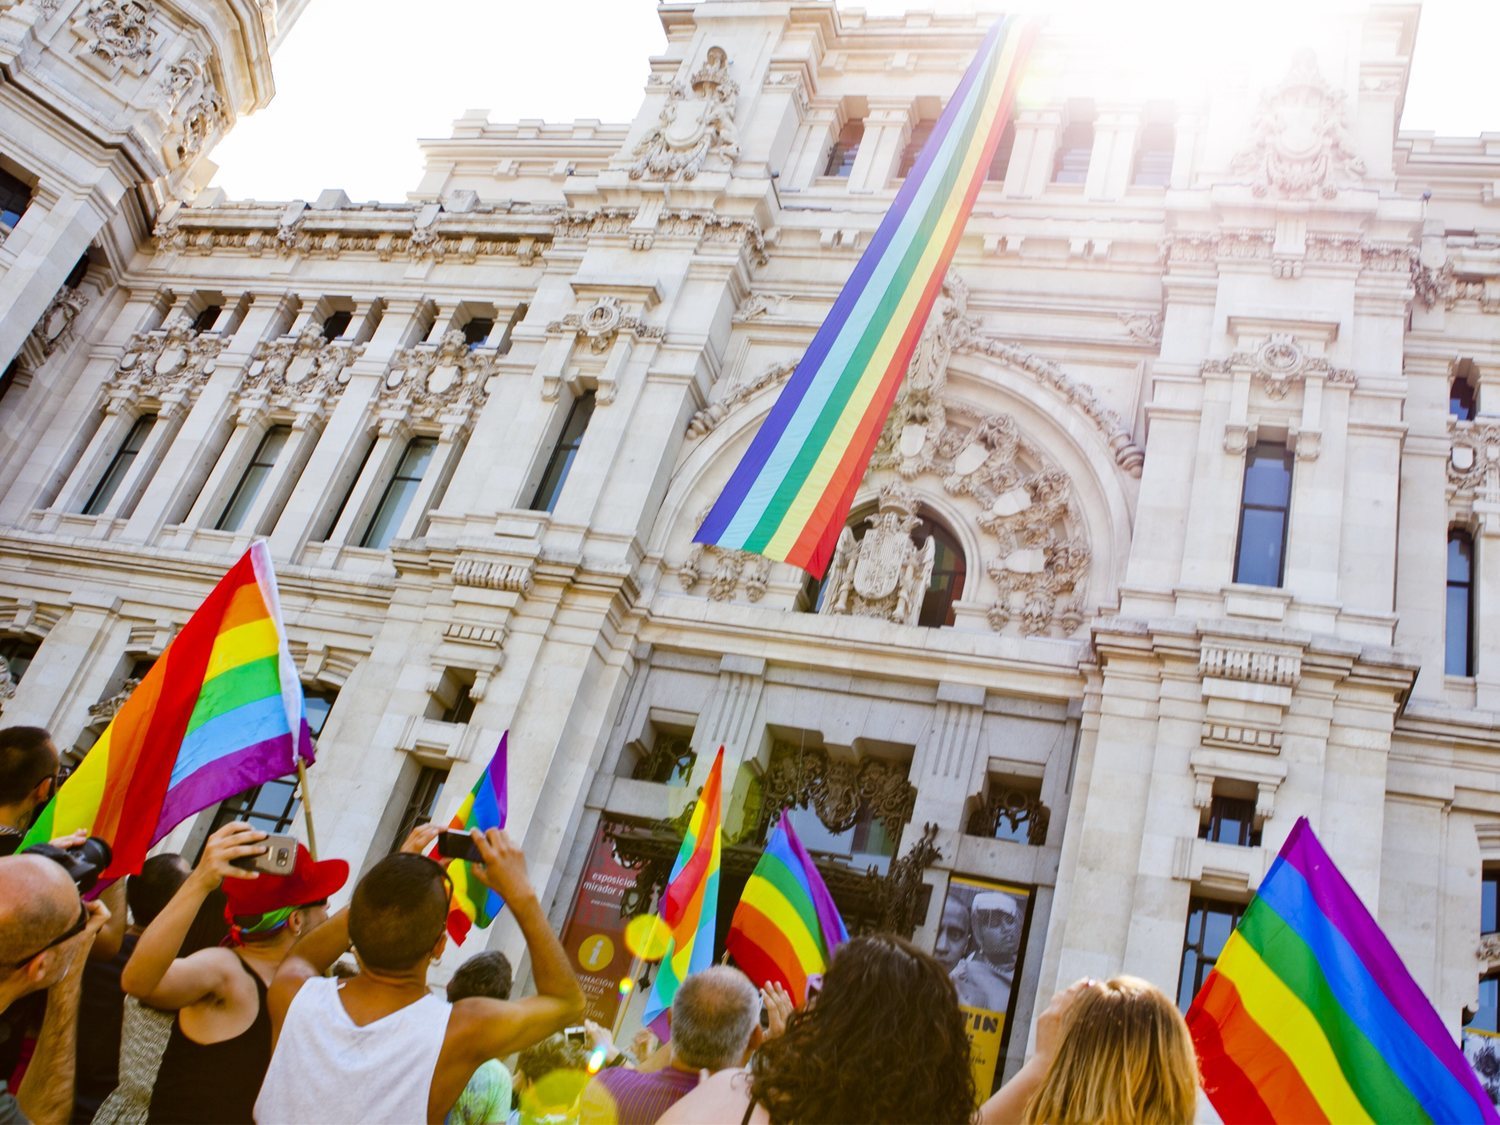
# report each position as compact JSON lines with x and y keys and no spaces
{"x":1125,"y":1055}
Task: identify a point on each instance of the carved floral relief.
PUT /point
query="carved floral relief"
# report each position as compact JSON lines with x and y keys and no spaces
{"x":696,"y":126}
{"x":172,"y":359}
{"x":443,"y":382}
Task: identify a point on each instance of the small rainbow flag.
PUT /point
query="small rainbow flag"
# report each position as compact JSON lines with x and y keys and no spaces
{"x":690,"y":906}
{"x":791,"y":492}
{"x":484,"y":807}
{"x":219,"y":712}
{"x":1309,"y":1014}
{"x":786,"y":926}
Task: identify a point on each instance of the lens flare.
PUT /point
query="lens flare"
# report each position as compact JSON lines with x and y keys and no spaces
{"x":647,"y":936}
{"x":596,"y":1060}
{"x":627,"y":986}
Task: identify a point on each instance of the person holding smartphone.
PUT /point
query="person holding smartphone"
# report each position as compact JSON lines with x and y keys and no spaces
{"x":220,"y":1043}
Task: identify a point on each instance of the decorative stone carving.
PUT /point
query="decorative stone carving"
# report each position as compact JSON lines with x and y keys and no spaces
{"x":1474,"y":458}
{"x":761,"y":304}
{"x":484,"y":573}
{"x":602,"y":322}
{"x":1145,"y":327}
{"x":202,"y":120}
{"x":696,"y":125}
{"x":118,"y":32}
{"x":725,"y":570}
{"x":182,"y":77}
{"x":444,"y":382}
{"x":1300,"y":146}
{"x":172,"y":359}
{"x":1279,"y":364}
{"x":301,"y":368}
{"x":705,"y":421}
{"x":1445,"y":284}
{"x":103,"y":712}
{"x":1254,"y":666}
{"x":7,"y":682}
{"x":55,"y":328}
{"x":837,"y":789}
{"x":1488,"y":953}
{"x":883,"y":574}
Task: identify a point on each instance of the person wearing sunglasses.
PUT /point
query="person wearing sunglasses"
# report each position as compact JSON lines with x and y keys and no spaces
{"x":28,"y":778}
{"x":45,"y":934}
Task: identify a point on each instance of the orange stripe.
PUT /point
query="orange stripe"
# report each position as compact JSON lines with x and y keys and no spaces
{"x":751,"y":927}
{"x":1258,"y":1056}
{"x":245,"y":606}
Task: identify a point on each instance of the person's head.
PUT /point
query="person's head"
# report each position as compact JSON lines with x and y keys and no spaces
{"x":1124,"y":1055}
{"x":485,"y":974}
{"x":39,"y":911}
{"x":883,"y":1041}
{"x":28,"y":769}
{"x":149,"y":891}
{"x":399,"y":914}
{"x":554,"y":1054}
{"x":953,"y":934}
{"x":715,"y":1016}
{"x":997,"y":924}
{"x":275,"y":910}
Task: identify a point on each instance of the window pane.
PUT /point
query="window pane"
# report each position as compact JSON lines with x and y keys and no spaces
{"x":317,"y":705}
{"x":561,"y":461}
{"x":1460,"y":557}
{"x":1457,"y":660}
{"x":335,"y":323}
{"x":1261,"y":534}
{"x":1487,"y":1017}
{"x":1209,"y":925}
{"x":1488,"y":922}
{"x":15,"y":197}
{"x":866,"y":844}
{"x":256,"y":475}
{"x":1461,"y":399}
{"x":399,"y":494}
{"x":206,"y":319}
{"x":478,"y":330}
{"x":1000,"y":162}
{"x":1268,"y":476}
{"x":119,"y":465}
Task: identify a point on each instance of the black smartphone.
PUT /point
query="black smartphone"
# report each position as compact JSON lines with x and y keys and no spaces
{"x":454,"y":844}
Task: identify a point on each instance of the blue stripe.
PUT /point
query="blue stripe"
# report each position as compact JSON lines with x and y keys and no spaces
{"x":224,"y":734}
{"x":1286,"y":892}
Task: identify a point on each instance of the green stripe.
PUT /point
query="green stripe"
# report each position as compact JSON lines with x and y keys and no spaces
{"x":859,"y":361}
{"x":1286,"y":954}
{"x":776,"y":873}
{"x":248,"y":683}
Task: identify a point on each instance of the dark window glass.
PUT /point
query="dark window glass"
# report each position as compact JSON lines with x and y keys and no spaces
{"x":503,"y":348}
{"x":338,"y":513}
{"x":1153,"y":157}
{"x":1231,"y":820}
{"x":1459,"y":632}
{"x":1461,"y":399}
{"x":1209,"y":925}
{"x":12,"y":369}
{"x":478,"y":330}
{"x":1260,"y":555}
{"x":670,"y":759}
{"x":948,"y":570}
{"x":1000,"y":162}
{"x":1070,"y":165}
{"x":15,"y":197}
{"x":1489,"y":905}
{"x":845,"y":149}
{"x":461,"y":710}
{"x":399,"y":493}
{"x":1487,"y":1015}
{"x":317,"y":704}
{"x":18,"y":652}
{"x":422,"y":805}
{"x":254,"y":478}
{"x":271,"y":807}
{"x":865,"y":844}
{"x":205,"y":320}
{"x":335,"y":324}
{"x":920,"y":132}
{"x":80,"y":268}
{"x":119,"y":465}
{"x":561,"y":461}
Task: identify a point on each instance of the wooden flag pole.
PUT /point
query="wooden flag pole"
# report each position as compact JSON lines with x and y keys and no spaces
{"x":312,"y":838}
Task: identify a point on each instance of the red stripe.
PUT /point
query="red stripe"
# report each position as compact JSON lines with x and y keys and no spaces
{"x":1246,"y":1074}
{"x":690,"y":878}
{"x":150,"y":727}
{"x":764,"y":952}
{"x":458,"y":925}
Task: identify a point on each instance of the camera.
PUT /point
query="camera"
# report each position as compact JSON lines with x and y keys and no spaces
{"x":456,"y":844}
{"x":84,"y":864}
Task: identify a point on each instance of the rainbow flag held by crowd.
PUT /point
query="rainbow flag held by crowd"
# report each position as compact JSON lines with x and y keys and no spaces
{"x":786,"y":926}
{"x":790,"y":494}
{"x":484,"y":807}
{"x":219,"y":712}
{"x":690,"y":904}
{"x":1309,"y":1014}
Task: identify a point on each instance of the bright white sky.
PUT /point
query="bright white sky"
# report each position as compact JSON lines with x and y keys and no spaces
{"x":358,"y":81}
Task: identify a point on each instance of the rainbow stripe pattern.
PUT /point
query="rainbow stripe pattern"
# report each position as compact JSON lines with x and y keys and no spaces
{"x":484,"y":807}
{"x":219,"y":712}
{"x":791,"y":492}
{"x":786,"y":926}
{"x":1309,"y":1014}
{"x":690,"y":904}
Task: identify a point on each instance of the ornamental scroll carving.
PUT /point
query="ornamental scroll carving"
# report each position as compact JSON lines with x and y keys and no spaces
{"x":300,"y":368}
{"x":445,"y":382}
{"x":884,"y":573}
{"x":172,"y":359}
{"x":1280,"y":363}
{"x":55,"y":330}
{"x":118,"y":31}
{"x":838,"y":790}
{"x":1474,"y":459}
{"x":1300,"y":146}
{"x":696,"y":126}
{"x":725,"y":570}
{"x":706,"y":420}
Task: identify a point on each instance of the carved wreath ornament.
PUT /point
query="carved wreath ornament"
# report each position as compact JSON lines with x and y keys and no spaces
{"x":696,"y":126}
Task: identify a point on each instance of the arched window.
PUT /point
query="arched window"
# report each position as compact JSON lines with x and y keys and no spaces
{"x":1459,"y":660}
{"x":948,"y":572}
{"x":1461,"y":398}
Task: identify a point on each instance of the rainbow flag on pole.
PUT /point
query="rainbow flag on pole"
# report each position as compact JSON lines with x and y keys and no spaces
{"x":484,"y":807}
{"x":1309,"y":1014}
{"x":219,"y":712}
{"x":791,"y":492}
{"x":690,"y":905}
{"x":786,"y":926}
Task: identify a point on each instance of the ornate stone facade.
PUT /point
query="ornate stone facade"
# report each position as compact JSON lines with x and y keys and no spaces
{"x":696,"y":126}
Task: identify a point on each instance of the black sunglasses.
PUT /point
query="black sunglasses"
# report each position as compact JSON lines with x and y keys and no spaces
{"x":71,"y":932}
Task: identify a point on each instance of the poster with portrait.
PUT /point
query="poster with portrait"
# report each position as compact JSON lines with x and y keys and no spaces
{"x":1482,"y":1048}
{"x":979,"y":944}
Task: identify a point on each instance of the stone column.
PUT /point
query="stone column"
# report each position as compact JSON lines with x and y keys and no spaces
{"x":1031,"y":159}
{"x":947,"y":768}
{"x":249,"y":427}
{"x":806,"y":162}
{"x":887,"y":126}
{"x":1318,"y":496}
{"x":730,"y":718}
{"x":1422,"y":566}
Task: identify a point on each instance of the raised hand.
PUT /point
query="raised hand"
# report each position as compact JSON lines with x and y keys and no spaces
{"x":421,"y":839}
{"x":504,"y":867}
{"x":779,"y":1007}
{"x":232,"y":842}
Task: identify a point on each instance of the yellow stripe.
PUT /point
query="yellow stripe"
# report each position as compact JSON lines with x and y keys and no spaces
{"x":78,"y":805}
{"x":253,"y":641}
{"x":1286,"y":1019}
{"x":816,"y":484}
{"x":766,"y":897}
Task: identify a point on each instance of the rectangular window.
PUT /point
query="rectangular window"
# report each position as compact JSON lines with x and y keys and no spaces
{"x":1209,"y":925}
{"x":845,"y":149}
{"x":920,"y":132}
{"x":205,"y":320}
{"x":399,"y":493}
{"x":271,"y":807}
{"x":318,"y":703}
{"x":1260,"y":555}
{"x":254,"y":478}
{"x":338,"y":513}
{"x":1153,"y":159}
{"x":1075,"y":147}
{"x":1231,"y":820}
{"x":119,"y":465}
{"x":15,"y":197}
{"x":1459,"y":627}
{"x":561,"y":461}
{"x":478,"y":330}
{"x":422,"y":805}
{"x":670,"y":759}
{"x":1489,"y":903}
{"x":335,"y":324}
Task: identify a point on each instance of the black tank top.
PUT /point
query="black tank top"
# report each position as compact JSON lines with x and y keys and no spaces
{"x":213,"y":1083}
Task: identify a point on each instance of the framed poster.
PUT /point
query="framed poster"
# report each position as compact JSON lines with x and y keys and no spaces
{"x":980,"y":944}
{"x":595,"y":934}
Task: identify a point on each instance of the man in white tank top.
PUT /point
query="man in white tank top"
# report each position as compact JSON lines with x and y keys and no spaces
{"x":380,"y":1047}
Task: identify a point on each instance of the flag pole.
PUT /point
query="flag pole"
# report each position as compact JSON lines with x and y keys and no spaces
{"x":312,"y":838}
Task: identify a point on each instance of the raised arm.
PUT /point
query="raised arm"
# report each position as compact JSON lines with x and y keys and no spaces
{"x":154,"y":974}
{"x":1008,"y":1104}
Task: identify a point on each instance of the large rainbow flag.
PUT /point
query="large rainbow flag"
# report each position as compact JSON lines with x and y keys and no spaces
{"x":786,"y":926}
{"x":791,"y":492}
{"x":219,"y":712}
{"x":484,"y":807}
{"x":690,"y":905}
{"x":1309,"y":1014}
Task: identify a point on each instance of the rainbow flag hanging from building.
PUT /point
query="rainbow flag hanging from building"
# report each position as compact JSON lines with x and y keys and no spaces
{"x":484,"y":807}
{"x":690,"y":904}
{"x":786,"y":926}
{"x":1309,"y":1014}
{"x":219,"y":712}
{"x":791,"y":492}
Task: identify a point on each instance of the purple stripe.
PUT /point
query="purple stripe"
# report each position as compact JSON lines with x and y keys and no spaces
{"x":832,"y":925}
{"x":1343,"y":908}
{"x":223,"y":778}
{"x":785,"y":406}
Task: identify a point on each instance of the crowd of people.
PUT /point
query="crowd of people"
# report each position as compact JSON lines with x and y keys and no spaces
{"x":214,"y":993}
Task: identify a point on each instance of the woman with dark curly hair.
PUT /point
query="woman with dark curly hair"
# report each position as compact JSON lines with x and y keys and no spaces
{"x":883,"y":1041}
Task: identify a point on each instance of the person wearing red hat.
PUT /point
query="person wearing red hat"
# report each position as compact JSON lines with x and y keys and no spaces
{"x":220,"y":1042}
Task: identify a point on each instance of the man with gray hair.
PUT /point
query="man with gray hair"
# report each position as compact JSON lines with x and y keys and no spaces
{"x":715,"y":1025}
